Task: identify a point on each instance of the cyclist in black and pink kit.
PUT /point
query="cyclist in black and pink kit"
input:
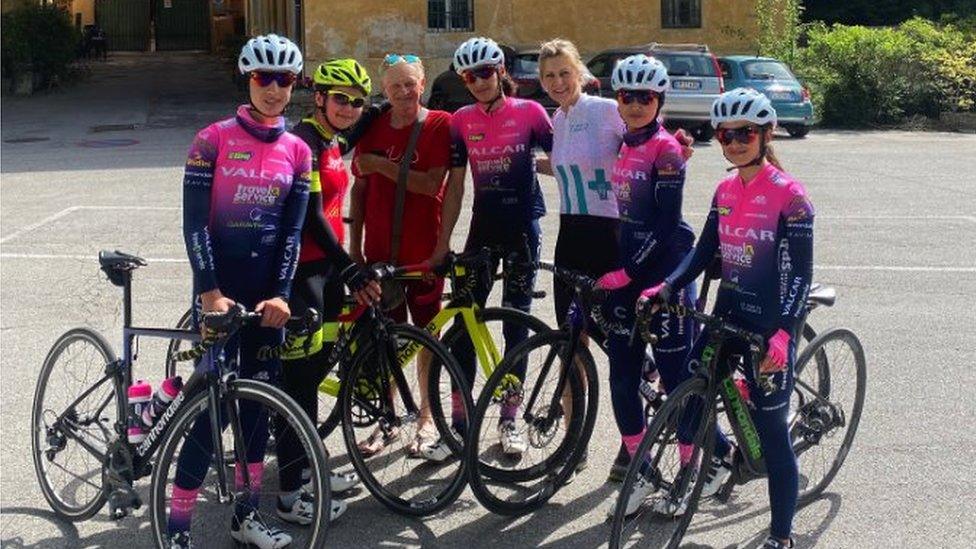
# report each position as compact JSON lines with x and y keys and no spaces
{"x":497,"y":137}
{"x":245,"y":191}
{"x":761,"y":223}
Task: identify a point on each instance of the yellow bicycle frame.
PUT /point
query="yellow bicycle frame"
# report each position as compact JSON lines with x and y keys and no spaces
{"x":485,"y":348}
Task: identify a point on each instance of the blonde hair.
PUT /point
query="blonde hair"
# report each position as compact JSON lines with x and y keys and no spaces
{"x":562,"y":47}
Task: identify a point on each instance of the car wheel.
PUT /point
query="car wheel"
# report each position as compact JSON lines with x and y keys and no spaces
{"x":703,"y":133}
{"x":798,"y":131}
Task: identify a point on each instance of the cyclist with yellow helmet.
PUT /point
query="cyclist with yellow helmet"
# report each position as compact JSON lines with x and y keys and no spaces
{"x":342,"y":87}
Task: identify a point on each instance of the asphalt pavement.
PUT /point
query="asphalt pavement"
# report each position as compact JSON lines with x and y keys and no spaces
{"x":99,"y":166}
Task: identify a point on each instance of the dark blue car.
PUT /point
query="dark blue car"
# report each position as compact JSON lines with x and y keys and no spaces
{"x":794,"y":111}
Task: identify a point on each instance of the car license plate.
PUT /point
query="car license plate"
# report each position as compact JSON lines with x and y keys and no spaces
{"x":781,"y":96}
{"x":686,"y":85}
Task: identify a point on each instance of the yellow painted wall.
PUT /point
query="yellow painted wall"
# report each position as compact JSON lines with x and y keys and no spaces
{"x":87,"y":10}
{"x":368,"y":29}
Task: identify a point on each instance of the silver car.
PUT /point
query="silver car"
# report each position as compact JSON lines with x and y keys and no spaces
{"x":696,"y":81}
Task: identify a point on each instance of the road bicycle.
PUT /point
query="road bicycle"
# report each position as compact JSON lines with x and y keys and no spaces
{"x":79,"y":442}
{"x":675,"y":483}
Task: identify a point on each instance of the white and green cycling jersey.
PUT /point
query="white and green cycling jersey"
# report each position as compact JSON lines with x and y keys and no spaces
{"x":585,"y":144}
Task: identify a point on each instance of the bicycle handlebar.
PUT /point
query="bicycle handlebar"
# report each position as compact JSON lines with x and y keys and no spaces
{"x":218,"y":326}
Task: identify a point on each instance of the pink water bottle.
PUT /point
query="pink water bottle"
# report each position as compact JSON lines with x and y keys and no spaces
{"x":140,"y":395}
{"x":164,"y":395}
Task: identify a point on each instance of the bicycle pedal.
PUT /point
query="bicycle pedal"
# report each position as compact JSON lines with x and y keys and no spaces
{"x":122,"y":502}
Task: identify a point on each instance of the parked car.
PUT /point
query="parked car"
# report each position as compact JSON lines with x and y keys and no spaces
{"x":695,"y":82}
{"x":794,"y":111}
{"x":449,"y":93}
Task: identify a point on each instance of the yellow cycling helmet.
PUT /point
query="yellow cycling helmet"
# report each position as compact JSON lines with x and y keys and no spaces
{"x":343,"y":72}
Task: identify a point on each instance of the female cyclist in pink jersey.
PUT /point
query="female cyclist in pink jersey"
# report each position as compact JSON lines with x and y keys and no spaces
{"x":761,"y":223}
{"x":497,"y":137}
{"x":245,"y":191}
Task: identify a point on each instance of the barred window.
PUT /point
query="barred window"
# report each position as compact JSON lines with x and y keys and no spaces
{"x":450,"y":15}
{"x":680,"y":14}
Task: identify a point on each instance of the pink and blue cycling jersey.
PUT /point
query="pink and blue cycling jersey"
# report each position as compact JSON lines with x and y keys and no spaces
{"x":648,"y":180}
{"x":764,"y":234}
{"x":499,"y":146}
{"x":245,"y":192}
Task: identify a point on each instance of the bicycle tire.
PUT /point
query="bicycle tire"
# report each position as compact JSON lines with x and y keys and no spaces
{"x":283,"y":408}
{"x":556,"y":468}
{"x":108,"y":402}
{"x":361,"y":373}
{"x":828,"y":369}
{"x":661,"y":433}
{"x":184,"y":323}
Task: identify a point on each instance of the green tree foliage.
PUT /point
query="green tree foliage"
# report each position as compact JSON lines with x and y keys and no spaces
{"x":39,"y":36}
{"x":881,"y":75}
{"x":883,"y":12}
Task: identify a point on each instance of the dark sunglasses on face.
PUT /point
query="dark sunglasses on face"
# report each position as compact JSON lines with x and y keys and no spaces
{"x":472,"y":75}
{"x":743,"y":135}
{"x":644,"y":97}
{"x":342,"y":99}
{"x":264,"y":79}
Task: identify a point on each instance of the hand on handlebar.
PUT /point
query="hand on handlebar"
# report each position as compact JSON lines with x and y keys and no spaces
{"x":274,"y":312}
{"x":362,"y":286}
{"x":776,"y":353}
{"x":654,"y":296}
{"x":614,"y":280}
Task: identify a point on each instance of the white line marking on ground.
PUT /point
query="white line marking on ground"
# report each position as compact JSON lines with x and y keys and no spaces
{"x":33,"y":226}
{"x":888,"y":268}
{"x":66,"y":211}
{"x":970,"y":218}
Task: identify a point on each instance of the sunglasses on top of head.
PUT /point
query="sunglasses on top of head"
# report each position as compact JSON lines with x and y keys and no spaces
{"x":264,"y":79}
{"x":342,"y":99}
{"x":743,"y":135}
{"x":485,"y":72}
{"x":396,"y":58}
{"x":644,"y":97}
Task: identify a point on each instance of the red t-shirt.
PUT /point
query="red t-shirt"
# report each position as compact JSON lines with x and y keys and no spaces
{"x":333,"y":180}
{"x":421,"y":213}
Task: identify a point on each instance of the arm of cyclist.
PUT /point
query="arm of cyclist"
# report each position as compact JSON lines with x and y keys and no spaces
{"x":197,"y":183}
{"x":357,"y":212}
{"x":795,"y":264}
{"x":692,"y":265}
{"x":669,"y":183}
{"x":450,"y":211}
{"x":421,"y":182}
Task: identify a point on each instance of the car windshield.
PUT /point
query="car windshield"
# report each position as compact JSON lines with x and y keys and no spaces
{"x":692,"y":64}
{"x":526,"y":64}
{"x":767,"y":70}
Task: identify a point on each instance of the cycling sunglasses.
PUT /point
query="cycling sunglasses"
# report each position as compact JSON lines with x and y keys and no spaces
{"x":643,"y":97}
{"x":744,"y":135}
{"x":342,"y":99}
{"x":471,"y":76}
{"x":264,"y":79}
{"x":395,"y":58}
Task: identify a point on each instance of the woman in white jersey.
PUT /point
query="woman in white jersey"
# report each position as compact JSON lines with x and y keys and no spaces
{"x":587,"y":133}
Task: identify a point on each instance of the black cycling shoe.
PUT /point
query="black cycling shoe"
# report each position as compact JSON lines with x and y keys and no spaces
{"x":620,"y":465}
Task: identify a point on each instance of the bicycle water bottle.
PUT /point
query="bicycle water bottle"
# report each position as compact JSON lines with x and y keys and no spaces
{"x":161,"y":400}
{"x":140,"y":395}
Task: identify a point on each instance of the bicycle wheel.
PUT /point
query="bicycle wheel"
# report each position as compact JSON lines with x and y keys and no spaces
{"x":72,"y":421}
{"x":176,"y":345}
{"x":211,"y":520}
{"x":657,"y":470}
{"x":375,"y":415}
{"x":556,"y":425}
{"x":827,"y":401}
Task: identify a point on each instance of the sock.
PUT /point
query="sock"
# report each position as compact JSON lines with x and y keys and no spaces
{"x":685,"y":451}
{"x":631,"y":442}
{"x":181,"y":505}
{"x":458,"y":417}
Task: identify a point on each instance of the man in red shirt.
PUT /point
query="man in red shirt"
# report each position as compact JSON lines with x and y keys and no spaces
{"x":433,"y":201}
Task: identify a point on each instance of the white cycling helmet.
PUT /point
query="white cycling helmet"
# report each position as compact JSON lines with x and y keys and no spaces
{"x":476,"y":52}
{"x":743,"y":104}
{"x":640,"y":72}
{"x":270,"y":53}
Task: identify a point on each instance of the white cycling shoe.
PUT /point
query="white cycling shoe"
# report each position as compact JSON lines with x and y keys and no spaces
{"x":513,"y":442}
{"x":718,"y":473}
{"x":252,"y":530}
{"x":341,"y":482}
{"x":302,"y":509}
